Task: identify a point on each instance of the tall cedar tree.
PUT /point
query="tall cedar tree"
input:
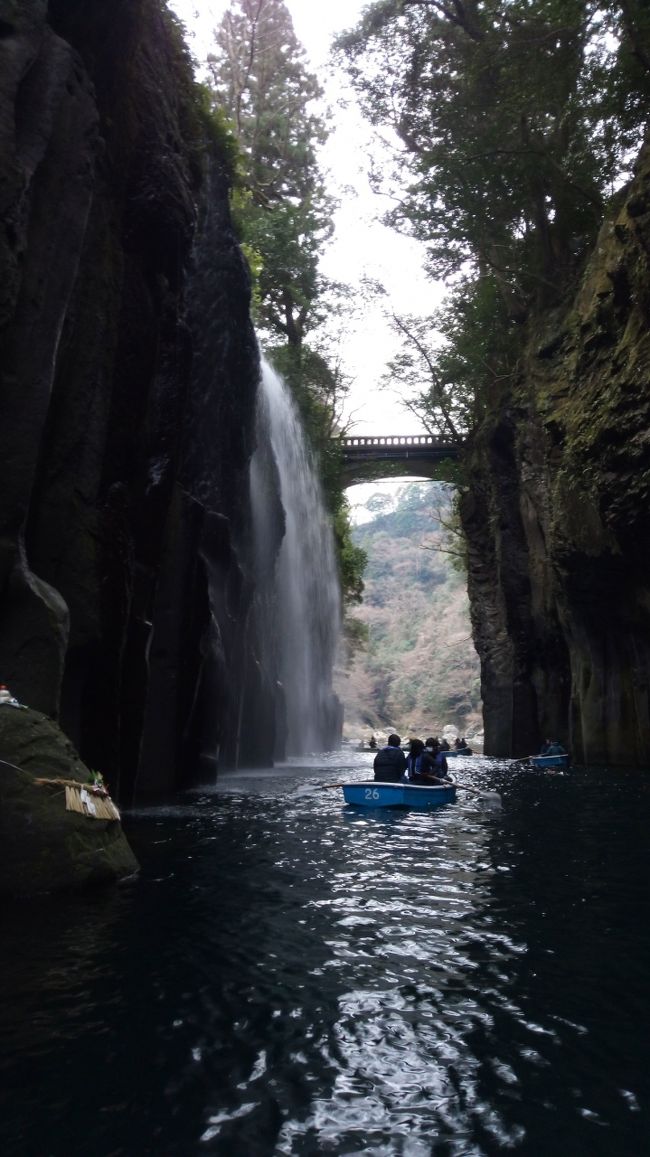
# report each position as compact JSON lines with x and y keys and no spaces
{"x":259,"y":77}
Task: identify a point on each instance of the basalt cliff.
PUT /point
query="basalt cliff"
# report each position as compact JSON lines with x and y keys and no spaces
{"x":128,"y":376}
{"x":128,"y":380}
{"x":557,"y":515}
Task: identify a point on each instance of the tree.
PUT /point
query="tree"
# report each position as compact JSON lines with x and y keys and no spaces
{"x":259,"y":76}
{"x":516,"y":120}
{"x":451,"y":365}
{"x":500,"y":108}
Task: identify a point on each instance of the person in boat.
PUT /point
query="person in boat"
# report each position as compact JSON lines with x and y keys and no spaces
{"x":426,"y":763}
{"x":389,"y":763}
{"x":554,"y":748}
{"x":459,"y":743}
{"x":372,"y":743}
{"x":436,"y":764}
{"x":414,"y":761}
{"x":444,"y":744}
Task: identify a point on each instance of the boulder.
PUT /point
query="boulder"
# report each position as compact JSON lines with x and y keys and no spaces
{"x":43,"y":847}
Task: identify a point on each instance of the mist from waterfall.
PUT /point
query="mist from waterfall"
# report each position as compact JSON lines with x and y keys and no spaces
{"x":298,"y":601}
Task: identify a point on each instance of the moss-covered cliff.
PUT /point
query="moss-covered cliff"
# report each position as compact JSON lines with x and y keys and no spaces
{"x":557,"y":515}
{"x":127,"y":386}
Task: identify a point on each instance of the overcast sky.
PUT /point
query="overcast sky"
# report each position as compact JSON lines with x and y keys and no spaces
{"x":361,"y":247}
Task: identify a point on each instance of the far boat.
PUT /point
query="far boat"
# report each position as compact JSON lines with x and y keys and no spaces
{"x":375,"y":793}
{"x":458,"y":751}
{"x":550,"y":760}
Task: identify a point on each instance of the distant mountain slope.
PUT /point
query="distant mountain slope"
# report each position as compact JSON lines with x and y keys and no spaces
{"x":419,"y":671}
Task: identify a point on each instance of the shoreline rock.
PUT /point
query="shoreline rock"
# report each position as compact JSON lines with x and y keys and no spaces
{"x":43,"y":847}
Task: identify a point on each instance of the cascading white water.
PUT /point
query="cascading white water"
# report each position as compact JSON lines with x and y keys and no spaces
{"x":298,"y":588}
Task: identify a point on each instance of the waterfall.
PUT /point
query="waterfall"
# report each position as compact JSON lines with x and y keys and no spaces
{"x":298,"y":599}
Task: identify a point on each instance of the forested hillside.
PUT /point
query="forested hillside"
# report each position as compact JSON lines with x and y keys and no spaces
{"x":418,"y":669}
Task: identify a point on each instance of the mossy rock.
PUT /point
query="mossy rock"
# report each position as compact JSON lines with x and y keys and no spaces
{"x":43,"y":847}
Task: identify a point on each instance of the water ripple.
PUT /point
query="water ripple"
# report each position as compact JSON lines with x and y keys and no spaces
{"x":293,"y":977}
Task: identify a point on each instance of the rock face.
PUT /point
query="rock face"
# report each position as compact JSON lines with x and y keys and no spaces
{"x":43,"y":847}
{"x":127,"y":392}
{"x":557,"y":517}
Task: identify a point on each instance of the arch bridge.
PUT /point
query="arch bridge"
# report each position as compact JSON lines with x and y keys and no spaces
{"x":368,"y":458}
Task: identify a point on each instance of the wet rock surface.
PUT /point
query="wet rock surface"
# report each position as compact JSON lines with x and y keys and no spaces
{"x":558,"y":521}
{"x":127,"y":423}
{"x":43,"y":847}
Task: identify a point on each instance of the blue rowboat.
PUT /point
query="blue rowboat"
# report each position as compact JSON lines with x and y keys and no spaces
{"x":458,"y":751}
{"x":374,"y":793}
{"x":549,"y":760}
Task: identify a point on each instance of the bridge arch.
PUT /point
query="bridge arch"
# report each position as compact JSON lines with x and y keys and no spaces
{"x":369,"y":458}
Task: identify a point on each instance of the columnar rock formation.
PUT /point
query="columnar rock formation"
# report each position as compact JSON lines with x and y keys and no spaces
{"x":127,"y":426}
{"x":557,"y":516}
{"x":128,"y":373}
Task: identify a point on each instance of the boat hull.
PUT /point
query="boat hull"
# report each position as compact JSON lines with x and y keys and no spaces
{"x":375,"y":794}
{"x":549,"y":760}
{"x":458,"y":751}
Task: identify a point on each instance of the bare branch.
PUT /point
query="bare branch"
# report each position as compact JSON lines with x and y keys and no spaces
{"x":435,"y":385}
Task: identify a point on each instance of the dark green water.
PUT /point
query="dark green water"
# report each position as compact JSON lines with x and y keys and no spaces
{"x":288,"y":976}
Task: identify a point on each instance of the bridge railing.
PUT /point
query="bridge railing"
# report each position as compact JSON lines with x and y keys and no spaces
{"x":392,"y":440}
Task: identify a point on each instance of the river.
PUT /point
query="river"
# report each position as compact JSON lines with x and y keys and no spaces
{"x":291,"y":976}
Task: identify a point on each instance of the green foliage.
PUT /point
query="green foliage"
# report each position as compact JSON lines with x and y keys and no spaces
{"x":455,"y":541}
{"x":517,"y":119}
{"x":506,"y":109}
{"x":352,"y":558}
{"x":355,"y":638}
{"x":199,"y":120}
{"x":220,"y":130}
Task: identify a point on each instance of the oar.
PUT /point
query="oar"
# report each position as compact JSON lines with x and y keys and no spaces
{"x":491,"y":795}
{"x":310,"y":788}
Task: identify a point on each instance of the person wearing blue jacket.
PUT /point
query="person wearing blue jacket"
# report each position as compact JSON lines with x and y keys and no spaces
{"x":436,"y":764}
{"x":389,"y":763}
{"x":426,"y":764}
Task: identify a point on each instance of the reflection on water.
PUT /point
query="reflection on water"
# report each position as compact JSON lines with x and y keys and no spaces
{"x":290,"y":976}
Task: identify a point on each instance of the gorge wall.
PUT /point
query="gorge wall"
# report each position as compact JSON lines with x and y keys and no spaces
{"x":128,"y":375}
{"x":557,"y":515}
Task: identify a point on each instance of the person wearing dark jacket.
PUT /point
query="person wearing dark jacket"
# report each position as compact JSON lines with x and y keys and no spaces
{"x":434,"y":765}
{"x":554,"y":748}
{"x":414,"y":760}
{"x":390,"y":762}
{"x":426,"y":765}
